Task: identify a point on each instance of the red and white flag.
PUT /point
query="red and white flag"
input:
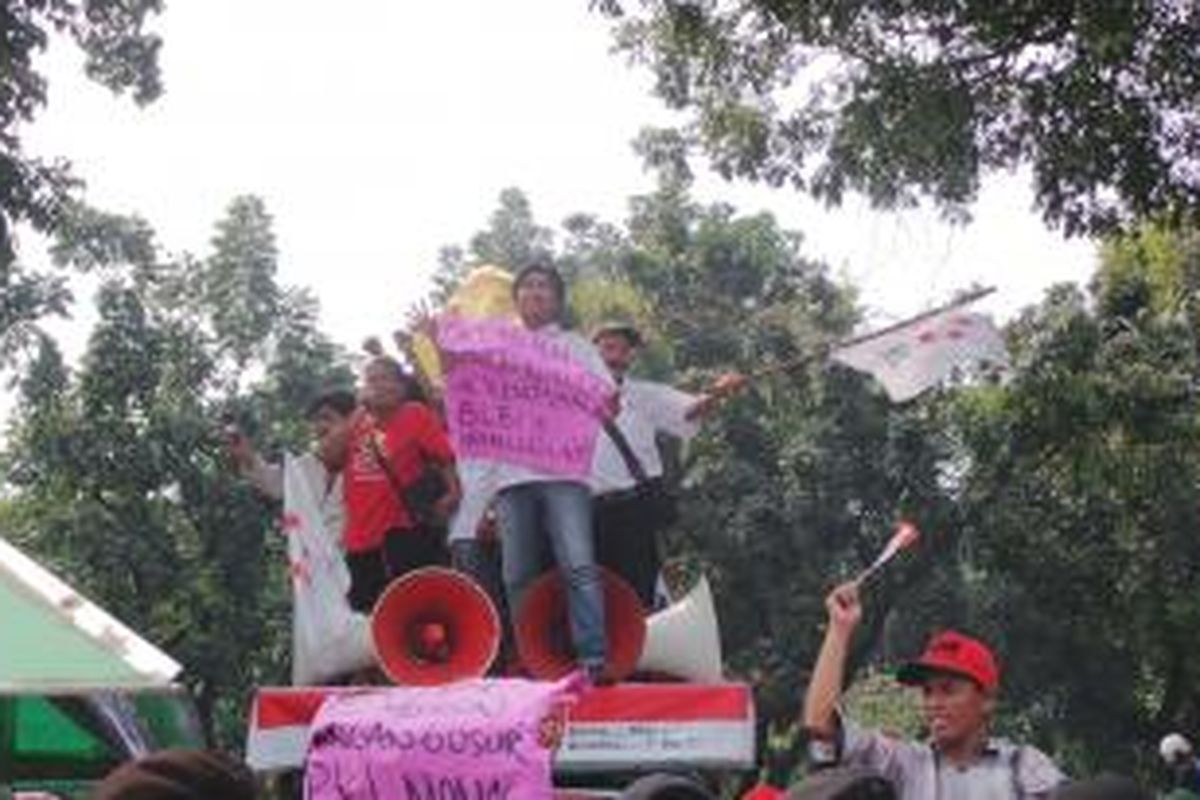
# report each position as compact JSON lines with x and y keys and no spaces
{"x":914,"y":356}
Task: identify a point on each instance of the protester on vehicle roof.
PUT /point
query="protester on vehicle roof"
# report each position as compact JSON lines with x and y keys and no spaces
{"x":633,"y":504}
{"x":396,"y":443}
{"x":541,"y":514}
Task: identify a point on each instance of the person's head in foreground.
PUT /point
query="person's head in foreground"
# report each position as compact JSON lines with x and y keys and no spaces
{"x":665,"y":786}
{"x":958,"y":679}
{"x":178,"y":775}
{"x":1175,"y":749}
{"x":843,"y":783}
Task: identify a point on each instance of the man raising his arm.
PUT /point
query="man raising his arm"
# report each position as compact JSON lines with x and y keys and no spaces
{"x":958,"y":678}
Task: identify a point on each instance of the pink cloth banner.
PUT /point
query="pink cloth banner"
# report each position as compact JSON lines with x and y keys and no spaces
{"x":518,"y":397}
{"x":486,"y":739}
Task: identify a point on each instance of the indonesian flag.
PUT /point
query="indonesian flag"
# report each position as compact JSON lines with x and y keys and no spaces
{"x":915,"y":356}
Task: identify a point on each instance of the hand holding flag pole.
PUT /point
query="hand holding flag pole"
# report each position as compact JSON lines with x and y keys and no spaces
{"x":906,"y":536}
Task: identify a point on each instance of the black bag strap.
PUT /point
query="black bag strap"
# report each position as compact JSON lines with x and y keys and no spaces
{"x":627,"y":455}
{"x":384,"y":465}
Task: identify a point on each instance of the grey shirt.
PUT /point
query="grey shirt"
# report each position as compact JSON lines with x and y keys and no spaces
{"x":1003,"y":771}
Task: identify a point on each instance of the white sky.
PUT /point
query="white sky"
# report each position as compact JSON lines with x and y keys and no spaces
{"x":379,"y":131}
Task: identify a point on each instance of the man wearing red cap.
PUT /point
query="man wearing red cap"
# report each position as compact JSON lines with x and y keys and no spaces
{"x":958,"y":678}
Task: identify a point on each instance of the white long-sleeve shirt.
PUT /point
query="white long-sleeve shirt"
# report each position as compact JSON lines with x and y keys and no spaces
{"x":647,"y":408}
{"x":267,"y":478}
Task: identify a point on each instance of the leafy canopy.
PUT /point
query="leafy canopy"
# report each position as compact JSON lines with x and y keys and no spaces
{"x":117,"y":468}
{"x":902,"y":100}
{"x":120,"y":54}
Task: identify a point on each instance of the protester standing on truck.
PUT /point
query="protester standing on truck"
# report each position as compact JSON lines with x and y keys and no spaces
{"x":330,"y":418}
{"x":633,"y":504}
{"x":396,"y":444}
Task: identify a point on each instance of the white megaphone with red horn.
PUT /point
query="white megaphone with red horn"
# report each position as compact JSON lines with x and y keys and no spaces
{"x":683,"y":640}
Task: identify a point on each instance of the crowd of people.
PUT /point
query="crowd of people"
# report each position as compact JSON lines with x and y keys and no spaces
{"x":391,"y":490}
{"x":390,"y":484}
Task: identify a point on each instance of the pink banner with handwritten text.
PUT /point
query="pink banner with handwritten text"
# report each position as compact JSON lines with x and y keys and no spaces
{"x":519,"y":397}
{"x":475,"y":739}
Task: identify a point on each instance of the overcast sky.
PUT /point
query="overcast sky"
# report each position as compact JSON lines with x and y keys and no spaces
{"x":379,"y":131}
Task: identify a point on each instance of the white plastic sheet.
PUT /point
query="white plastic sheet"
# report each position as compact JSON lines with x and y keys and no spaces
{"x":328,"y":638}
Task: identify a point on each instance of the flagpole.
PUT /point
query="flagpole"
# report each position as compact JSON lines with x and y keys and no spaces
{"x":825,"y":347}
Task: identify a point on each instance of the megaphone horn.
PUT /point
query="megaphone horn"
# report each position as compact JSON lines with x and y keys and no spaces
{"x":433,"y":626}
{"x":542,"y":629}
{"x":683,"y":639}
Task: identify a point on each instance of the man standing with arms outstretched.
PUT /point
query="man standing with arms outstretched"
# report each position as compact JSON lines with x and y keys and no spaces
{"x":959,"y":679}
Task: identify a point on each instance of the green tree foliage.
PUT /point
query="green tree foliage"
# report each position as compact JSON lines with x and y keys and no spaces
{"x":118,"y":467}
{"x":1057,"y":509}
{"x":240,"y":280}
{"x":121,"y":55}
{"x":513,"y":239}
{"x":1153,"y":270}
{"x":1082,"y":500}
{"x":900,"y":100}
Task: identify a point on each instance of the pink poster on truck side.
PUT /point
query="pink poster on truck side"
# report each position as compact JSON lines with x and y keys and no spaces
{"x":480,"y":739}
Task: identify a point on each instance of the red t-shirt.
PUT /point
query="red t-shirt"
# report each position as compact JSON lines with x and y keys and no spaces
{"x":409,"y":438}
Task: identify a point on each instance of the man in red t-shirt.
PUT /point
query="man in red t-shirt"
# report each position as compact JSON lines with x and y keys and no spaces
{"x":394,"y":440}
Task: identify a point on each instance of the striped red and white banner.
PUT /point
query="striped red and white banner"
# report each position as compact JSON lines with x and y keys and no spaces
{"x":630,"y":726}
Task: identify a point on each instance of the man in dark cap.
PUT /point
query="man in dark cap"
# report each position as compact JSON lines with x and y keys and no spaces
{"x":959,"y":680}
{"x":632,"y":505}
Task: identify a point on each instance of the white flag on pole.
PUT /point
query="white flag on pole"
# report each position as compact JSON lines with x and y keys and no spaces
{"x":915,"y":356}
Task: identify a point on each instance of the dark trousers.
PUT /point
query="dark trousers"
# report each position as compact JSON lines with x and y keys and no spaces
{"x":402,"y":552}
{"x":627,"y":543}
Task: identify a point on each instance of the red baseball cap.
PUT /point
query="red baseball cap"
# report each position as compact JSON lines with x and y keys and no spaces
{"x":953,"y":653}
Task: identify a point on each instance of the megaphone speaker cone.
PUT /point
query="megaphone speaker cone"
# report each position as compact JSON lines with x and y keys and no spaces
{"x":434,"y":626}
{"x":543,"y":631}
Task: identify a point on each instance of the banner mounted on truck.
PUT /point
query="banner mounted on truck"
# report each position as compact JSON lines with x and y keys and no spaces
{"x":628,"y":726}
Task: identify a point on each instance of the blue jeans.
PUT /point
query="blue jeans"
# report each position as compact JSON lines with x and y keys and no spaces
{"x":560,"y":511}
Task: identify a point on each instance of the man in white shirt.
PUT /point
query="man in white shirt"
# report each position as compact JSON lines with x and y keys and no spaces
{"x":330,"y":419}
{"x":632,"y":504}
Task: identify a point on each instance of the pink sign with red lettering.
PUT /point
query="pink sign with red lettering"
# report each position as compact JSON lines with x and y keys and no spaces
{"x":519,"y":397}
{"x":490,"y":739}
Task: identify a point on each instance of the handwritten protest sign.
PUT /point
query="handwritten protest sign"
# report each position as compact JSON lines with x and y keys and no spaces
{"x":518,"y":397}
{"x":474,"y":740}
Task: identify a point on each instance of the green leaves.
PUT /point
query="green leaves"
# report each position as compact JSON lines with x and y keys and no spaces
{"x":119,"y":469}
{"x":903,"y":101}
{"x":121,"y":55}
{"x":239,"y":287}
{"x":1082,"y":495}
